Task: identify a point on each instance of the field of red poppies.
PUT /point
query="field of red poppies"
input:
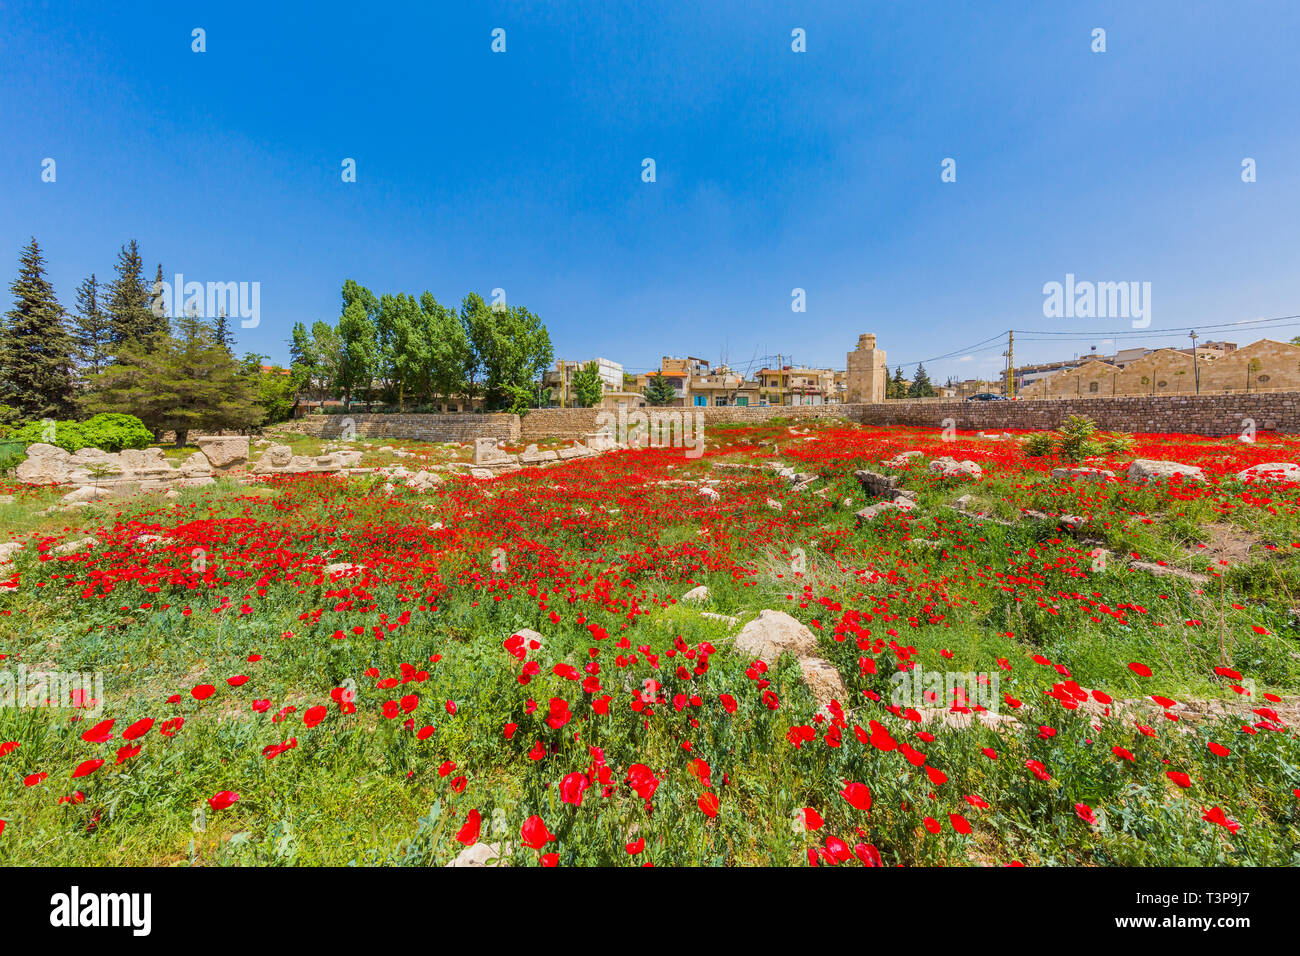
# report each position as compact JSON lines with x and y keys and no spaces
{"x":316,"y":670}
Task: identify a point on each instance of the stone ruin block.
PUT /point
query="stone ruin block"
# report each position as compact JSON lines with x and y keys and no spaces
{"x":488,"y":454}
{"x":601,"y":442}
{"x":576,"y":450}
{"x":225,"y":452}
{"x":531,"y":456}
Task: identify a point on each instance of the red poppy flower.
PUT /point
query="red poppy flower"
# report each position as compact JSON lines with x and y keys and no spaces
{"x":222,"y":799}
{"x":857,"y":795}
{"x":469,"y":831}
{"x":534,"y":833}
{"x":868,"y":854}
{"x":138,"y":729}
{"x":1216,"y":816}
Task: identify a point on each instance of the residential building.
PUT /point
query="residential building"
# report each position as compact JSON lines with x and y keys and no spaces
{"x":720,"y":387}
{"x":559,"y":380}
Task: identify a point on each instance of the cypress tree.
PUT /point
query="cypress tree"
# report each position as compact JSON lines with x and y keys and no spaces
{"x":36,"y":360}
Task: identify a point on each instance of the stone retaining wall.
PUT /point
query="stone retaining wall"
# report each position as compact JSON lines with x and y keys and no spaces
{"x":568,"y":423}
{"x":431,"y":428}
{"x":1211,"y":415}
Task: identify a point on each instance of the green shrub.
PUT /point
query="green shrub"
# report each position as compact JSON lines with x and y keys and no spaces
{"x":1039,"y":444}
{"x":110,"y":432}
{"x":1118,"y":443}
{"x":11,"y":453}
{"x":1075,"y":440}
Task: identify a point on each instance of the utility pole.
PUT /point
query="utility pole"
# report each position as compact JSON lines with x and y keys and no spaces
{"x":1011,"y":362}
{"x":564,"y":385}
{"x":780,"y":365}
{"x":1196,"y":367}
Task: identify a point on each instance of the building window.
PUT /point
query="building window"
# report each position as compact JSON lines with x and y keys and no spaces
{"x":1094,"y":386}
{"x":1261,"y":379}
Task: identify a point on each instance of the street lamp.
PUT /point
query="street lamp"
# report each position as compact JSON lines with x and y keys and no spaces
{"x":1196,"y":367}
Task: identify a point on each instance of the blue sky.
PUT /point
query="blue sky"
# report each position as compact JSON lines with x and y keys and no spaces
{"x":775,"y":169}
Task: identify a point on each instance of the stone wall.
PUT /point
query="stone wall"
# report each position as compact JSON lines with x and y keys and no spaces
{"x":431,"y":428}
{"x":569,"y":423}
{"x":1187,"y":414}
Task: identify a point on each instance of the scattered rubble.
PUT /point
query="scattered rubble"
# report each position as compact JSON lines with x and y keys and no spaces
{"x":1271,"y":471}
{"x":900,"y":503}
{"x":1145,"y":470}
{"x":773,"y":633}
{"x":1100,"y":475}
{"x":697,"y":595}
{"x":948,"y":467}
{"x":483,"y":854}
{"x":902,"y":459}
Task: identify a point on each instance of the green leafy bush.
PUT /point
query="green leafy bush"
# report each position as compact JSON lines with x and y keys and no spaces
{"x":109,"y":431}
{"x":1075,"y":440}
{"x":1039,"y":444}
{"x":1118,"y":443}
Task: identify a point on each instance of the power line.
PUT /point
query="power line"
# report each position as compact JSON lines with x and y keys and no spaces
{"x":1285,"y":320}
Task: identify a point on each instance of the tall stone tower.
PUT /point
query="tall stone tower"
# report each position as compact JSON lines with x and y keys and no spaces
{"x":867,"y":372}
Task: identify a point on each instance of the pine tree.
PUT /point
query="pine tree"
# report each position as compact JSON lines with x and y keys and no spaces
{"x":179,"y":383}
{"x":896,"y":388}
{"x":920,"y":387}
{"x":36,"y":361}
{"x":90,"y":328}
{"x":658,"y":390}
{"x":131,"y":320}
{"x":221,"y":333}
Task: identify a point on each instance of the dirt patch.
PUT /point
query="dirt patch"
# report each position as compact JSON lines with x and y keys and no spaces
{"x":1225,"y":542}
